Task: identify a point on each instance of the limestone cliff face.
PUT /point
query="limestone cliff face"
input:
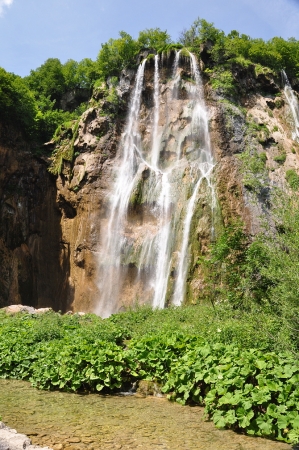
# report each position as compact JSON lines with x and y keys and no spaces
{"x":253,"y":146}
{"x":50,"y":229}
{"x":34,"y":261}
{"x":81,"y":188}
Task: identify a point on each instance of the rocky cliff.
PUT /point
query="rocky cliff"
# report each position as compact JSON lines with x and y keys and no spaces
{"x":34,"y":266}
{"x":51,"y":229}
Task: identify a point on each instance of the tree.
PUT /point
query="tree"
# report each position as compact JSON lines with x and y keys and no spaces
{"x":199,"y":32}
{"x":87,"y":73}
{"x":17,"y":103}
{"x":153,"y":38}
{"x":70,"y":74}
{"x":263,"y":53}
{"x":48,"y":79}
{"x":116,"y":55}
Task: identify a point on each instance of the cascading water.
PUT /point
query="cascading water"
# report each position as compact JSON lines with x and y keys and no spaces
{"x":293,"y":103}
{"x":203,"y":169}
{"x":164,"y":168}
{"x":111,"y":276}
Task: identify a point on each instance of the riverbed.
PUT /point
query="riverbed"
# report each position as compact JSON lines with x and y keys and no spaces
{"x":95,"y":422}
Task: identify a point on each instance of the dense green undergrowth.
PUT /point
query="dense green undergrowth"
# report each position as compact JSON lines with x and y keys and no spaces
{"x":231,"y":362}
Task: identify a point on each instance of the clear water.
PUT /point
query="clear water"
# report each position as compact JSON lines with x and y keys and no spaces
{"x":93,"y":422}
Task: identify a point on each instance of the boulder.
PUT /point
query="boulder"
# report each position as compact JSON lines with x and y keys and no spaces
{"x":10,"y":439}
{"x":15,"y":309}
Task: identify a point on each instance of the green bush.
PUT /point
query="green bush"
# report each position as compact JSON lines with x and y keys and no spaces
{"x":222,"y":80}
{"x":17,"y":103}
{"x":280,"y":158}
{"x":251,"y":390}
{"x":292,"y":178}
{"x":116,"y":55}
{"x":273,"y":55}
{"x":153,"y":38}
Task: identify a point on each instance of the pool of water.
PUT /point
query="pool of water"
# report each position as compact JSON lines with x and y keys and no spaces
{"x":95,"y":422}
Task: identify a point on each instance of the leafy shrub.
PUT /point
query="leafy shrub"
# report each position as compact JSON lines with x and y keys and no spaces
{"x":292,"y":178}
{"x":17,"y":103}
{"x":248,"y":391}
{"x":116,"y":55}
{"x":253,"y":169}
{"x":65,"y":137}
{"x":272,"y":55}
{"x":280,"y":158}
{"x":222,"y":80}
{"x":153,"y":38}
{"x":253,"y":390}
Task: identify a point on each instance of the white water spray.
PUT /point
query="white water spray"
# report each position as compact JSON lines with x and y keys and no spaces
{"x":110,"y":255}
{"x":145,"y":253}
{"x":293,"y":103}
{"x":203,"y":168}
{"x":155,"y":138}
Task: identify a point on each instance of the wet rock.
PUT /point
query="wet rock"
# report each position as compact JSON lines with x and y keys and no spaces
{"x":146,"y":388}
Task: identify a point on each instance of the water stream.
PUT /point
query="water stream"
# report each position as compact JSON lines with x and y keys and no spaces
{"x":293,"y":103}
{"x":93,"y":422}
{"x":163,"y":167}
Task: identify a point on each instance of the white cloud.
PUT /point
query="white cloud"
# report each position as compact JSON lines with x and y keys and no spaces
{"x":4,"y":3}
{"x":281,"y":15}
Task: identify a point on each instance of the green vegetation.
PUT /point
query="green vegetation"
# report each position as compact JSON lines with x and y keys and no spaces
{"x":280,"y":158}
{"x":253,"y":169}
{"x":222,"y":80}
{"x":34,"y":103}
{"x":64,"y":137}
{"x":118,"y":54}
{"x":261,"y":272}
{"x":197,"y":354}
{"x":293,"y":179}
{"x":275,"y":54}
{"x":17,"y":102}
{"x":154,"y":38}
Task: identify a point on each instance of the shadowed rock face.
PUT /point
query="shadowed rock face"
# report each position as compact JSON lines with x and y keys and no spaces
{"x":51,"y":230}
{"x":34,"y":260}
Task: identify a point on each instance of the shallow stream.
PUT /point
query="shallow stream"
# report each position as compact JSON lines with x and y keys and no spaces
{"x":74,"y":422}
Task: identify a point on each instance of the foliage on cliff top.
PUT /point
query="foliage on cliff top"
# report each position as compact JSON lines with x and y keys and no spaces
{"x":118,"y":54}
{"x":17,"y":104}
{"x":35,"y":101}
{"x":277,"y":53}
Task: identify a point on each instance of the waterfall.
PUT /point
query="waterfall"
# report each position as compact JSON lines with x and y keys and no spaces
{"x":293,"y":103}
{"x":176,"y":75}
{"x":203,"y":169}
{"x":156,"y":149}
{"x":110,"y":256}
{"x":162,"y":170}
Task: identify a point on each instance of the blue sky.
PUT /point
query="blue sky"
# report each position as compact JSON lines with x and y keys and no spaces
{"x":32,"y":31}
